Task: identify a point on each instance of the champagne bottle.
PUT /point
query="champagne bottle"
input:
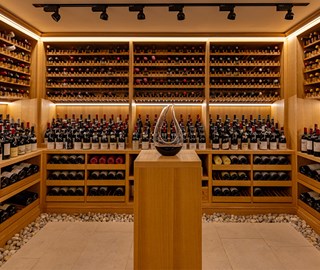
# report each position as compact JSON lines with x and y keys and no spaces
{"x":217,"y":160}
{"x":226,"y":160}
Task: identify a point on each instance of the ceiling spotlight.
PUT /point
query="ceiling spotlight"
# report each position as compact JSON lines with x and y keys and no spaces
{"x":55,"y":9}
{"x":139,"y":8}
{"x":103,"y":9}
{"x":286,"y":7}
{"x":232,"y":15}
{"x":180,"y":16}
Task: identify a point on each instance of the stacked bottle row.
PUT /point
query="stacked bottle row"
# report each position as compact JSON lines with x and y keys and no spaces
{"x":193,"y":133}
{"x":253,"y":69}
{"x":66,"y":159}
{"x":311,"y":170}
{"x":107,"y":175}
{"x":95,"y":134}
{"x":106,"y":191}
{"x":88,"y":72}
{"x":310,"y":143}
{"x":10,"y":207}
{"x":311,"y":45}
{"x":16,"y":138}
{"x":17,"y":172}
{"x":230,"y":191}
{"x":246,"y":134}
{"x":245,"y":191}
{"x":66,"y":175}
{"x":66,"y":191}
{"x":311,"y":198}
{"x":271,"y":192}
{"x":15,"y":55}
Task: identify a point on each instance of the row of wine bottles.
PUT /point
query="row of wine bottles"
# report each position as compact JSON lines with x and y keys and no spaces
{"x":311,"y":170}
{"x":164,"y":59}
{"x":167,"y":95}
{"x":66,"y":191}
{"x":271,"y":159}
{"x":168,"y":81}
{"x":247,"y":95}
{"x":87,"y":60}
{"x":256,"y":61}
{"x":232,"y":159}
{"x":80,"y":96}
{"x":244,"y":49}
{"x":11,"y":38}
{"x":14,"y":77}
{"x":311,"y":198}
{"x":313,"y":77}
{"x":7,"y":62}
{"x":271,"y":192}
{"x":257,"y":175}
{"x":13,"y":91}
{"x":66,"y":159}
{"x":107,"y":159}
{"x":10,"y":51}
{"x":228,"y":191}
{"x":169,"y":49}
{"x":90,"y":49}
{"x":244,"y":72}
{"x":79,"y":175}
{"x":17,"y":172}
{"x":236,"y":82}
{"x":106,"y":191}
{"x":311,"y":65}
{"x":230,"y":175}
{"x":310,"y":143}
{"x":78,"y":71}
{"x":311,"y":38}
{"x":168,"y":71}
{"x":9,"y":207}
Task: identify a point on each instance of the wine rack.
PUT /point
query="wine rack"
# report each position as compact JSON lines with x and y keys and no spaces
{"x":15,"y":62}
{"x":245,"y":73}
{"x":311,"y":45}
{"x":169,"y":72}
{"x":87,"y":73}
{"x":9,"y":194}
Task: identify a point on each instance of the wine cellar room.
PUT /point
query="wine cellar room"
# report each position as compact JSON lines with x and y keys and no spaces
{"x":83,"y":90}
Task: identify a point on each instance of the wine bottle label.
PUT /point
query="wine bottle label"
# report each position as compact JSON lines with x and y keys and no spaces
{"x":184,"y":146}
{"x":13,"y":152}
{"x":145,"y":145}
{"x":135,"y":145}
{"x":104,"y":146}
{"x":50,"y":145}
{"x":152,"y":146}
{"x":121,"y":146}
{"x":59,"y":145}
{"x":316,"y":146}
{"x":45,"y":140}
{"x":244,"y":146}
{"x":33,"y":147}
{"x":77,"y":145}
{"x":225,"y":146}
{"x":234,"y":147}
{"x":309,"y":145}
{"x":21,"y":149}
{"x":273,"y":145}
{"x":28,"y":148}
{"x":95,"y":146}
{"x":263,"y":145}
{"x":215,"y":146}
{"x":253,"y":146}
{"x":113,"y":146}
{"x":86,"y":146}
{"x":6,"y":149}
{"x":192,"y":146}
{"x":283,"y":146}
{"x":202,"y":146}
{"x":303,"y":145}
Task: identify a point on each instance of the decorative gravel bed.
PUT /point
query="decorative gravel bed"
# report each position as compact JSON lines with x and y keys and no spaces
{"x":19,"y":239}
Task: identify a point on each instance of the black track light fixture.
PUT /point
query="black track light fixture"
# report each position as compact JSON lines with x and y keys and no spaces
{"x":180,"y":16}
{"x":139,"y":9}
{"x":55,"y":9}
{"x":286,"y":7}
{"x":103,"y":9}
{"x":232,"y":15}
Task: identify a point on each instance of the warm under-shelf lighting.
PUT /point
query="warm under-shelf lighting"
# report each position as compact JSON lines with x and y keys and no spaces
{"x":4,"y":103}
{"x":123,"y":39}
{"x":304,"y":28}
{"x":18,"y":27}
{"x":92,"y":104}
{"x":240,"y":104}
{"x":164,"y":104}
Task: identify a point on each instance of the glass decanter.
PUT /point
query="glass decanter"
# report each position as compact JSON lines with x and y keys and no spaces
{"x":168,"y":146}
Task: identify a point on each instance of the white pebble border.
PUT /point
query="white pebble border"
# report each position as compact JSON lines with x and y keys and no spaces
{"x":19,"y":239}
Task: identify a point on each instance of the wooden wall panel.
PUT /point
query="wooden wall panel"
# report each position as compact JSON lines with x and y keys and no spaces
{"x":25,"y":110}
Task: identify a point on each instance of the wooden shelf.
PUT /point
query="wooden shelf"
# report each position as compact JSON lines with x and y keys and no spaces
{"x":311,"y":57}
{"x":312,"y":83}
{"x":65,"y":182}
{"x":271,"y":167}
{"x":65,"y":198}
{"x":167,"y":99}
{"x":164,"y":75}
{"x":272,"y":183}
{"x":309,"y":209}
{"x":231,"y":183}
{"x":258,"y":75}
{"x":105,"y":198}
{"x":309,"y":182}
{"x":232,"y":167}
{"x":88,"y":86}
{"x":307,"y":156}
{"x":245,"y":65}
{"x":170,"y":64}
{"x":106,"y":166}
{"x":14,"y":42}
{"x":272,"y":199}
{"x":20,"y":84}
{"x":165,"y":53}
{"x":170,"y":86}
{"x":75,"y":64}
{"x":91,"y":100}
{"x":312,"y":44}
{"x":244,"y":100}
{"x":19,"y":186}
{"x":231,"y":199}
{"x":70,"y":167}
{"x":100,"y":75}
{"x":246,"y":53}
{"x":20,"y":214}
{"x":15,"y":70}
{"x":13,"y":98}
{"x":311,"y":70}
{"x":222,"y":86}
{"x":17,"y":159}
{"x":104,"y":53}
{"x":106,"y":182}
{"x":14,"y":57}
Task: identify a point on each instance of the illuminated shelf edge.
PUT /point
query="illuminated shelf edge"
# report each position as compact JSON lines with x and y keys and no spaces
{"x":91,"y":104}
{"x":241,"y":104}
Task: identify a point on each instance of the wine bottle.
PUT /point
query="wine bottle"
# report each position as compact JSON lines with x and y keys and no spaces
{"x":119,"y":191}
{"x":225,"y":191}
{"x":283,"y":141}
{"x":234,"y":191}
{"x":111,"y":175}
{"x":274,"y":176}
{"x":309,"y":169}
{"x":111,"y":159}
{"x":316,"y":144}
{"x":103,"y":191}
{"x":119,"y":159}
{"x":242,"y":159}
{"x":103,"y":159}
{"x":4,"y":181}
{"x":257,"y":160}
{"x":24,"y":198}
{"x":80,"y":159}
{"x":93,"y":191}
{"x":225,"y":176}
{"x":217,"y":160}
{"x":226,"y":160}
{"x":120,"y":175}
{"x":265,"y":176}
{"x":265,"y":160}
{"x":303,"y":142}
{"x":3,"y":216}
{"x":9,"y":208}
{"x":79,"y":175}
{"x":257,"y":175}
{"x":217,"y":191}
{"x":233,"y":176}
{"x":283,"y":176}
{"x":95,"y":175}
{"x":234,"y":159}
{"x":257,"y":191}
{"x":94,"y":160}
{"x":242,"y":176}
{"x":274,"y":160}
{"x":253,"y":140}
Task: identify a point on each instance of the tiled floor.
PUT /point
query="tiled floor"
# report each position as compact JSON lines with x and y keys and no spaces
{"x":65,"y":245}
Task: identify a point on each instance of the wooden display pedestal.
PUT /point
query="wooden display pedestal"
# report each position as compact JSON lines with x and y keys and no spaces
{"x":167,"y":211}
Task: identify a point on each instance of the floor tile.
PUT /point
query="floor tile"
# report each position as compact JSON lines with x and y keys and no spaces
{"x":114,"y":227}
{"x":247,"y":254}
{"x":237,"y":230}
{"x":210,"y":238}
{"x":20,"y":264}
{"x":281,"y":234}
{"x":298,"y":258}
